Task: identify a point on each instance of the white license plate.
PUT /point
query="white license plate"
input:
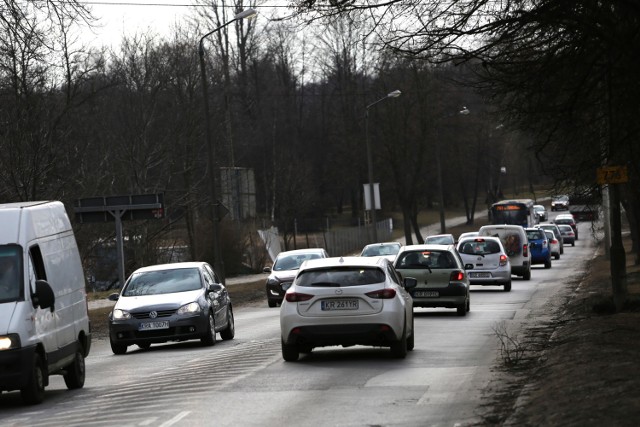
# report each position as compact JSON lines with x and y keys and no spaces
{"x":479,"y":275}
{"x":339,"y":304}
{"x":148,"y":326}
{"x":426,"y":294}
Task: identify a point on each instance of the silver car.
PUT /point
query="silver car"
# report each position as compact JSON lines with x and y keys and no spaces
{"x":170,"y":302}
{"x":347,"y":301}
{"x":486,"y":261}
{"x":440,"y":272}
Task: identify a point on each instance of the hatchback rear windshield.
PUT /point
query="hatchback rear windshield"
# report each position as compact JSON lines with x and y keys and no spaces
{"x":567,"y":221}
{"x":426,"y":259}
{"x":480,"y":247}
{"x":535,"y":234}
{"x":340,"y":277}
{"x":163,"y":282}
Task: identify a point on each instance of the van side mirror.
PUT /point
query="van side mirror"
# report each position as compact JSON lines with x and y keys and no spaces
{"x":44,"y":296}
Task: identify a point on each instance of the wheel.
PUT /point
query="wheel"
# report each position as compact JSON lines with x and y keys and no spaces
{"x":272,"y":303}
{"x":230,"y":331}
{"x":33,"y":393}
{"x":400,"y":348}
{"x":507,"y":286}
{"x":74,"y":378}
{"x":411,"y":339}
{"x":573,"y":243}
{"x":547,"y":263}
{"x":556,"y":256}
{"x":117,"y":348}
{"x":209,"y":337}
{"x":290,"y":352}
{"x":562,"y":250}
{"x":527,"y":275}
{"x":306,"y":349}
{"x":462,"y":309}
{"x":144,"y":346}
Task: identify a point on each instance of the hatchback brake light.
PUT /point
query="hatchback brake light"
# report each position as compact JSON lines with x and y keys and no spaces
{"x":525,"y":250}
{"x":297,"y":297}
{"x":386,"y":293}
{"x":503,"y":260}
{"x":456,"y":276}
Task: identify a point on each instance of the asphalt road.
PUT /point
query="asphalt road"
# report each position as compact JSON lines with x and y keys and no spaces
{"x":245,"y":382}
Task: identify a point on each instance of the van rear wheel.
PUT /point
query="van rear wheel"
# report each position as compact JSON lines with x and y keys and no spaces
{"x":33,"y":393}
{"x":74,"y":378}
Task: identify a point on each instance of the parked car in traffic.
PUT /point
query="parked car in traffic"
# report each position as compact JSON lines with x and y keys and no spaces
{"x":567,"y":220}
{"x":388,"y":250}
{"x":556,"y":232}
{"x":541,"y":212}
{"x":554,"y":244}
{"x":539,"y":247}
{"x":568,"y":236}
{"x":515,"y":243}
{"x":486,"y":261}
{"x":440,"y":272}
{"x":347,"y":301}
{"x":560,"y":203}
{"x":170,"y":302}
{"x":284,"y":269}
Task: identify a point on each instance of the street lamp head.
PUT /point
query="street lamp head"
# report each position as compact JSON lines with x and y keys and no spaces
{"x":247,"y":13}
{"x":396,"y":93}
{"x":464,"y":111}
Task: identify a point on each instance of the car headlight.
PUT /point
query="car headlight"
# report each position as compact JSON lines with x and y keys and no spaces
{"x":121,"y":314}
{"x":9,"y":342}
{"x":191,"y":308}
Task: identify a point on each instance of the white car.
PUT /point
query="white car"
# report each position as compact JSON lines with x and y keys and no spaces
{"x":554,"y":244}
{"x":347,"y":301}
{"x":439,"y":239}
{"x":388,"y":250}
{"x":491,"y":266}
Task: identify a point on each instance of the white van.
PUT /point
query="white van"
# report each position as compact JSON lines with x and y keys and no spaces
{"x":516,"y":244}
{"x":44,"y":324}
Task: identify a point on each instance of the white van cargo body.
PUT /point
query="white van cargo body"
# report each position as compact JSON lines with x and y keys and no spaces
{"x":44,"y":325}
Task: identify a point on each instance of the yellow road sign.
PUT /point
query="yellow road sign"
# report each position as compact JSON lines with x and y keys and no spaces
{"x":612,"y":175}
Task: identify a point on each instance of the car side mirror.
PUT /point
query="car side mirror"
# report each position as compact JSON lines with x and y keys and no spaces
{"x":114,"y":296}
{"x":44,"y":296}
{"x":266,"y":270}
{"x":214,"y":287}
{"x":410,"y":282}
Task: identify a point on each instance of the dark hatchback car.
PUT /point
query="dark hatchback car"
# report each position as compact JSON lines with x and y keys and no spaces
{"x":539,"y":247}
{"x":284,"y":270}
{"x":170,"y":302}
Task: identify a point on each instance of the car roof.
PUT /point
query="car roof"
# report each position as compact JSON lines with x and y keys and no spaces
{"x":428,"y":247}
{"x":171,"y":266}
{"x":384,"y":244}
{"x":302,"y":251}
{"x":346,"y":261}
{"x":474,"y":238}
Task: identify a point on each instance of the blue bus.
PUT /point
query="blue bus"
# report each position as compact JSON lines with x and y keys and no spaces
{"x":514,"y":212}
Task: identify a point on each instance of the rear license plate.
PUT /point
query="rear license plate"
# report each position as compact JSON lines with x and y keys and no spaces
{"x":480,"y":275}
{"x":148,"y":326}
{"x":339,"y":304}
{"x":426,"y":294}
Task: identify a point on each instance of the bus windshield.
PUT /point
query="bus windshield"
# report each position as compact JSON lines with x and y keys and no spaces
{"x":513,"y":213}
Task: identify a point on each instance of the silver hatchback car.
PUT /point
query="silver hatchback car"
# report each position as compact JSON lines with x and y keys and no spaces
{"x":440,"y":272}
{"x":489,"y":261}
{"x":170,"y":302}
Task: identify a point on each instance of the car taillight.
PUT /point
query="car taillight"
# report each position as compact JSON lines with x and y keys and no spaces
{"x":297,"y":297}
{"x":554,"y":241}
{"x":503,"y":260}
{"x":386,"y":293}
{"x":544,"y":243}
{"x":456,"y":276}
{"x":525,"y":250}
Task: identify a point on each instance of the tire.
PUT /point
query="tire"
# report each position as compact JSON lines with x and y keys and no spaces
{"x":411,"y":339}
{"x":272,"y":304}
{"x":573,"y":243}
{"x":400,"y":348}
{"x":290,"y":352}
{"x":306,"y":349}
{"x":144,"y":346}
{"x":230,"y":331}
{"x":556,"y":256}
{"x":462,"y":309}
{"x":547,"y":263}
{"x":507,"y":286}
{"x":74,"y":378}
{"x":527,"y":275}
{"x":117,"y":348}
{"x":562,"y":250}
{"x":209,"y":337}
{"x":33,"y":392}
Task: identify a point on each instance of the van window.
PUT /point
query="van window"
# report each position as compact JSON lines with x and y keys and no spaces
{"x":11,"y":288}
{"x":38,"y":262}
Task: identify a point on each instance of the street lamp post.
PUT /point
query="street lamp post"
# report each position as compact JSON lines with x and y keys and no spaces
{"x":443,"y":227}
{"x":217,"y":258}
{"x":394,"y":94}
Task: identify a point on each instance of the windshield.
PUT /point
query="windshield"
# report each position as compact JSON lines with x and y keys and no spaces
{"x":512,"y":214}
{"x":10,"y":277}
{"x":380,"y":250}
{"x":479,"y":247}
{"x":292,"y":262}
{"x":163,"y":282}
{"x":535,"y":234}
{"x":426,"y":260}
{"x":340,"y":277}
